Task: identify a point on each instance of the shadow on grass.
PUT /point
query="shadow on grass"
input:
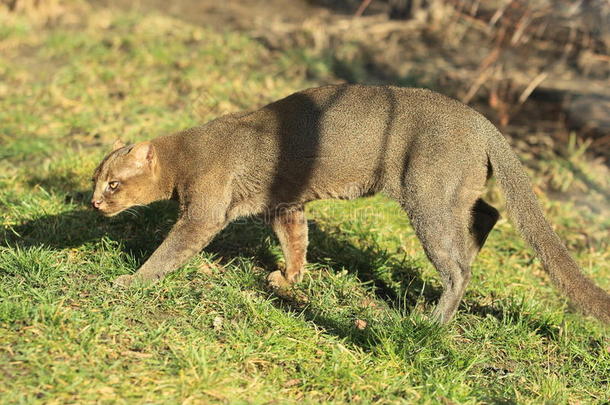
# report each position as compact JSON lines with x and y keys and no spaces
{"x":137,"y":235}
{"x":516,"y":312}
{"x":140,"y":234}
{"x":401,"y":289}
{"x":401,"y":285}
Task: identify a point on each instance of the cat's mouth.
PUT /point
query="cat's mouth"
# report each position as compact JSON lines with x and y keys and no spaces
{"x":111,"y":212}
{"x":107,"y":208}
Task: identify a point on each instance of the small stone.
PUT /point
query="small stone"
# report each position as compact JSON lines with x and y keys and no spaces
{"x":208,"y":269}
{"x":292,"y":383}
{"x":217,"y":323}
{"x":360,"y":324}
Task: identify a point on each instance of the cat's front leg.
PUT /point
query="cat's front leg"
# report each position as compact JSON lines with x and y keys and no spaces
{"x":187,"y":237}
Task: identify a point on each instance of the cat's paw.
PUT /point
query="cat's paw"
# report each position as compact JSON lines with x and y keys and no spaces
{"x":283,"y":288}
{"x":277,"y":281}
{"x":124,"y":281}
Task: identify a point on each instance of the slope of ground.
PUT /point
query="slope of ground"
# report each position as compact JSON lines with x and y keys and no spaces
{"x":212,"y":332}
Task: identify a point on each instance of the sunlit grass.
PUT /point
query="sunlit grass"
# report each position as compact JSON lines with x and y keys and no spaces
{"x":213,"y":332}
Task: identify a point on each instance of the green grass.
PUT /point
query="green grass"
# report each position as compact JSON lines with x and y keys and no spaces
{"x":212,"y":331}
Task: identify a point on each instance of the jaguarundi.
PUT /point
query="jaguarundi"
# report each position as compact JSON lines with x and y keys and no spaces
{"x":430,"y":153}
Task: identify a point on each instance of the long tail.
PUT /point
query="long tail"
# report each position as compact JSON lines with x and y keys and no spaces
{"x":525,"y":211}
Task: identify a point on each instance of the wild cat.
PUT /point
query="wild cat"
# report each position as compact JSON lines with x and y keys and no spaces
{"x":431,"y":154}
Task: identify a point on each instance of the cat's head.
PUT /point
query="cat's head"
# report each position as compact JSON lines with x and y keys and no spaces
{"x":126,"y":177}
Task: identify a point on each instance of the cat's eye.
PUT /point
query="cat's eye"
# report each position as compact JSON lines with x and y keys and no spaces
{"x":113,"y":185}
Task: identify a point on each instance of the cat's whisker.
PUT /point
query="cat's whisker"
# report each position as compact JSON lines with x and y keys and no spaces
{"x":131,"y":211}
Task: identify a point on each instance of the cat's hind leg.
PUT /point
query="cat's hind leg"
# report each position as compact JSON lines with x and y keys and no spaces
{"x":452,"y":223}
{"x":290,"y":226}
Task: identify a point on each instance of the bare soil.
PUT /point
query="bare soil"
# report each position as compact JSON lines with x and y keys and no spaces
{"x":553,"y":85}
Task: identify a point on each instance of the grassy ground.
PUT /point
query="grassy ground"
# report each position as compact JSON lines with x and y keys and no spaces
{"x":212,"y":332}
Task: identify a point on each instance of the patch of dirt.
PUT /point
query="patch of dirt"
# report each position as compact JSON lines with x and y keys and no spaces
{"x":528,"y":72}
{"x":229,"y":14}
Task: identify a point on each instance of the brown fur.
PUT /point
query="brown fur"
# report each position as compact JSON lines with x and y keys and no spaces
{"x":290,"y":226}
{"x":430,"y":153}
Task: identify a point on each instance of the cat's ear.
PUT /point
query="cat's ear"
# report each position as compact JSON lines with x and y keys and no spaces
{"x":118,"y":144}
{"x":143,"y":153}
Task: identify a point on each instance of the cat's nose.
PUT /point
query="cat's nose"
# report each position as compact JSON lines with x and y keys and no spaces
{"x":96,"y":204}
